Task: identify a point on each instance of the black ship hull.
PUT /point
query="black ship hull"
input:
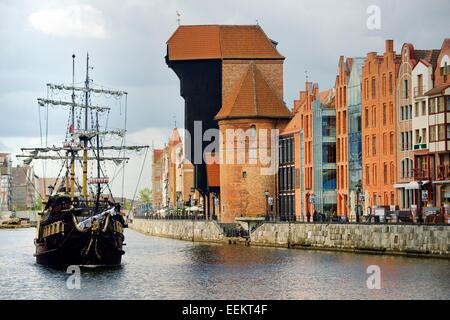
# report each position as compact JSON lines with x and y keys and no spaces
{"x":62,"y":242}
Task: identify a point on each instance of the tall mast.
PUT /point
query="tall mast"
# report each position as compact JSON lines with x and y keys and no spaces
{"x":98,"y":162}
{"x":72,"y":129}
{"x":85,"y":155}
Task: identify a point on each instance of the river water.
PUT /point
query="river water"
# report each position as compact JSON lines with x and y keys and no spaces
{"x":158,"y":268}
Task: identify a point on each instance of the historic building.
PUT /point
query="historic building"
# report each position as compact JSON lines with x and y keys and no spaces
{"x":157,"y":178}
{"x":307,"y":170}
{"x":221,"y":69}
{"x":434,"y":168}
{"x":23,"y":188}
{"x":324,"y":149}
{"x":5,"y":182}
{"x":253,"y":107}
{"x":172,"y":175}
{"x":412,"y":119}
{"x":354,"y":138}
{"x":379,"y":79}
{"x":344,"y":68}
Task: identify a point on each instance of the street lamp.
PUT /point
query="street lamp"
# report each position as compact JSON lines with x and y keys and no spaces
{"x":266,"y":193}
{"x":419,"y":203}
{"x":358,"y":206}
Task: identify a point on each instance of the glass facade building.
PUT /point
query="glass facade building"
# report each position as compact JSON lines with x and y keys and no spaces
{"x":354,"y":126}
{"x":324,"y":148}
{"x":286,"y":178}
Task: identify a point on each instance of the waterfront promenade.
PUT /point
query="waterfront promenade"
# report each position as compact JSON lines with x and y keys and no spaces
{"x":395,"y":239}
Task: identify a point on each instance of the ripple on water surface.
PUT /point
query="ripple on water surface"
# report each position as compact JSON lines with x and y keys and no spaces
{"x":159,"y":268}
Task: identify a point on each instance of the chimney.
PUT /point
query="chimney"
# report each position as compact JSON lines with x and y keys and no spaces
{"x":389,"y":46}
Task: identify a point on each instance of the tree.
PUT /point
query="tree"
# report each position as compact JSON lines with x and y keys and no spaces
{"x":145,"y":195}
{"x":38,"y":205}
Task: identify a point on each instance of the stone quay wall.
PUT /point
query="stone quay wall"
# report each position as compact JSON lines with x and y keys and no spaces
{"x":411,"y":240}
{"x":191,"y":230}
{"x":395,"y":239}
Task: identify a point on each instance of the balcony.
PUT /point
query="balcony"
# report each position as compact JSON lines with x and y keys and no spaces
{"x":418,"y":91}
{"x":422,"y":174}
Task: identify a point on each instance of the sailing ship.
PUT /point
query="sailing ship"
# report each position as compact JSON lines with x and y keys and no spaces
{"x":79,"y":225}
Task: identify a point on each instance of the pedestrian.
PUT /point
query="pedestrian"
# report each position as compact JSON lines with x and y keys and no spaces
{"x":308,"y":216}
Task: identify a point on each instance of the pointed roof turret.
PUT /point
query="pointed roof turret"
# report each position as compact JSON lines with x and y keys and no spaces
{"x":252,"y":97}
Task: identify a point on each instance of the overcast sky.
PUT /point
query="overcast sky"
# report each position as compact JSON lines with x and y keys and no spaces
{"x":126,"y":40}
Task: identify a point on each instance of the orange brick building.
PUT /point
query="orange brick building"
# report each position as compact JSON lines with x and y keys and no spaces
{"x":231,"y":77}
{"x":344,"y":68}
{"x":379,"y":77}
{"x":252,"y":106}
{"x":157,"y":177}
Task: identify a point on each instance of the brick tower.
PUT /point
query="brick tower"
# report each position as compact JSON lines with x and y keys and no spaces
{"x":210,"y":60}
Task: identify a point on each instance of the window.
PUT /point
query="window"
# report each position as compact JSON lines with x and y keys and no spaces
{"x":424,"y":135}
{"x":384,"y":85}
{"x":329,"y":179}
{"x":374,"y":174}
{"x":410,"y":139}
{"x":329,"y":126}
{"x":374,"y":145}
{"x":367,"y":147}
{"x":391,"y":113}
{"x":385,"y":173}
{"x":402,"y":140}
{"x":374,"y":117}
{"x":424,"y":108}
{"x":419,"y":85}
{"x":392,"y":173}
{"x":367,"y":89}
{"x":391,"y":84}
{"x":374,"y":91}
{"x":367,"y":175}
{"x":391,"y":143}
{"x":418,"y":137}
{"x":344,"y":122}
{"x":402,"y":113}
{"x":329,"y":152}
{"x":405,"y":89}
{"x":416,"y":109}
{"x":366,"y":117}
{"x":448,"y":131}
{"x":384,"y":114}
{"x":441,"y":132}
{"x":445,"y":71}
{"x":432,"y":133}
{"x":384,"y":144}
{"x":441,"y":104}
{"x":432,"y":106}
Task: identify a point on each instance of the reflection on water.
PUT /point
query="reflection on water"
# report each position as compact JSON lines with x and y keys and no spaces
{"x":158,"y":268}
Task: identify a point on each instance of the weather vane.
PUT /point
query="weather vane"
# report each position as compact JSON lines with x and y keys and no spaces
{"x":306,"y":75}
{"x":178,"y":18}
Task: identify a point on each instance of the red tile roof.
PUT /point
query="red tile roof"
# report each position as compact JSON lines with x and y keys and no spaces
{"x":252,"y":97}
{"x":201,"y":42}
{"x":437,"y":90}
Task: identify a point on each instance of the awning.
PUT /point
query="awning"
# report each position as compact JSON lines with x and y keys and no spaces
{"x":413,"y":185}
